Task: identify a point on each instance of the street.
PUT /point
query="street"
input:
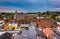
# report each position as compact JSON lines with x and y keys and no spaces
{"x":32,"y":32}
{"x":24,"y":35}
{"x":27,"y":34}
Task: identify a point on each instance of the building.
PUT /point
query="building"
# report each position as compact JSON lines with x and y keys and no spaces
{"x":48,"y":31}
{"x":58,"y":23}
{"x":28,"y":15}
{"x":58,"y":28}
{"x":45,"y":23}
{"x":2,"y":22}
{"x":50,"y":34}
{"x":27,"y":18}
{"x":11,"y":25}
{"x":58,"y":16}
{"x":40,"y":34}
{"x":24,"y":24}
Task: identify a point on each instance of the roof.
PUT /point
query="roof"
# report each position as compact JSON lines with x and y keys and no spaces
{"x":6,"y":36}
{"x":40,"y":32}
{"x":45,"y":24}
{"x":48,"y":31}
{"x":2,"y":33}
{"x":58,"y":23}
{"x":45,"y":18}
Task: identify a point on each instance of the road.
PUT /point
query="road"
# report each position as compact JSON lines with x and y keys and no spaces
{"x":12,"y":31}
{"x":57,"y":34}
{"x":26,"y":34}
{"x":32,"y":32}
{"x":29,"y":34}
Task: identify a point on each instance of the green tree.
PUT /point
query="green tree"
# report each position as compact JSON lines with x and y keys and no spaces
{"x":53,"y":15}
{"x":50,"y":14}
{"x":46,"y":14}
{"x":39,"y":14}
{"x":0,"y":14}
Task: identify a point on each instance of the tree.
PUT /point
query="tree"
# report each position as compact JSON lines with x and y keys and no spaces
{"x":16,"y":11}
{"x":0,"y":14}
{"x":46,"y":14}
{"x":50,"y":14}
{"x":53,"y":15}
{"x":39,"y":14}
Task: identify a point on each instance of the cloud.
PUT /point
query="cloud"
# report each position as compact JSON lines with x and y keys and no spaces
{"x":30,"y":5}
{"x":56,"y":1}
{"x":55,"y":9}
{"x":53,"y":3}
{"x":11,"y":9}
{"x":32,"y":0}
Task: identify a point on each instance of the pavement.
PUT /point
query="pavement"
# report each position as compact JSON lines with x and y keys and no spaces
{"x":27,"y":34}
{"x":32,"y":32}
{"x":57,"y":35}
{"x":24,"y":32}
{"x":12,"y":31}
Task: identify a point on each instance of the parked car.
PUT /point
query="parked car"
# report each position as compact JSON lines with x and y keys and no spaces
{"x":1,"y":24}
{"x":24,"y":36}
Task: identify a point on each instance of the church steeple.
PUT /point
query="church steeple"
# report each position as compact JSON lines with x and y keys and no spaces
{"x":15,"y":16}
{"x":16,"y":11}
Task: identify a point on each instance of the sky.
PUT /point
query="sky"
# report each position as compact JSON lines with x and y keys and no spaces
{"x":29,"y":5}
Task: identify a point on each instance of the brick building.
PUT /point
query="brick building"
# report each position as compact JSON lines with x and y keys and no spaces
{"x":45,"y":23}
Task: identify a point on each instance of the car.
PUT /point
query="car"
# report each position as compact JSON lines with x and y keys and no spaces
{"x":24,"y":36}
{"x":1,"y":24}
